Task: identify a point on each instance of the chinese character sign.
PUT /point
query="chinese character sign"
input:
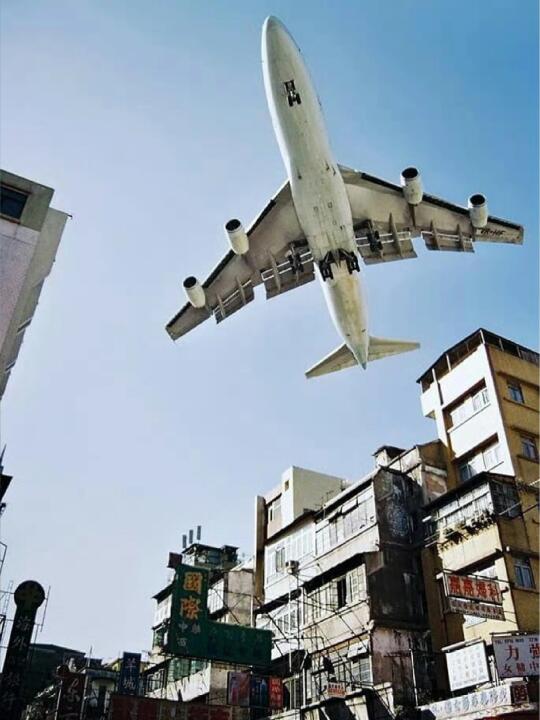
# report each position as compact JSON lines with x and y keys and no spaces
{"x":275,"y":690}
{"x":467,"y":666}
{"x":473,"y":588}
{"x":188,"y":631}
{"x":128,"y":682}
{"x":193,"y":634}
{"x":516,"y":655}
{"x":71,"y":694}
{"x":238,"y":689}
{"x":258,"y":693}
{"x":124,"y":707}
{"x":29,"y":595}
{"x":479,"y":609}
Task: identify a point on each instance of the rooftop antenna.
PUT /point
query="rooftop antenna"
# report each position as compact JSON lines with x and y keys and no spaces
{"x":191,"y":537}
{"x":199,"y":533}
{"x":184,"y":542}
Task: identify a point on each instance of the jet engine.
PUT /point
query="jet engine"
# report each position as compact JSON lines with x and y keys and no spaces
{"x":412,"y":186}
{"x":478,"y":210}
{"x":237,"y":237}
{"x":195,"y":292}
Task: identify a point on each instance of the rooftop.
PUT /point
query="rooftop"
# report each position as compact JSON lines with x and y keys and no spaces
{"x":455,"y":354}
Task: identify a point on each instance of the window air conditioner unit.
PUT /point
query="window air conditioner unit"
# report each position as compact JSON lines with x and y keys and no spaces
{"x":291,"y":566}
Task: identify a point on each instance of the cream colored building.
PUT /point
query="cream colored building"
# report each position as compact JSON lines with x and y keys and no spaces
{"x":30,"y":232}
{"x":483,"y":395}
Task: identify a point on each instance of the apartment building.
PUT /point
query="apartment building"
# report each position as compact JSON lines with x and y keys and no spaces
{"x":483,"y":395}
{"x":343,"y":592}
{"x":30,"y":232}
{"x":230,"y":597}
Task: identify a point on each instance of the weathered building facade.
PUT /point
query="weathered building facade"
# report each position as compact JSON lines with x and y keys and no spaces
{"x":347,"y":606}
{"x":30,"y":232}
{"x":230,"y":598}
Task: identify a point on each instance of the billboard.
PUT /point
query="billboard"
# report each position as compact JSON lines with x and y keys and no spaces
{"x":335,"y":689}
{"x":260,"y":691}
{"x":471,"y":587}
{"x":479,"y":609}
{"x":130,"y":668}
{"x":467,"y":666}
{"x":275,"y":692}
{"x":126,"y":707}
{"x":70,"y":697}
{"x":238,"y":689}
{"x":193,"y":634}
{"x":516,"y":655}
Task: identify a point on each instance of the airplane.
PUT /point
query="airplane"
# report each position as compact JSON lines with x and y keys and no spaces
{"x":324,"y":218}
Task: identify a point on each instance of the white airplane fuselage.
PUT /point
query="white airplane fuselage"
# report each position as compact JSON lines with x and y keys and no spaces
{"x":318,"y":191}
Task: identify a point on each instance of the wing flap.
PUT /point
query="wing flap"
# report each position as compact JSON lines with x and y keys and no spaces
{"x":288,"y":274}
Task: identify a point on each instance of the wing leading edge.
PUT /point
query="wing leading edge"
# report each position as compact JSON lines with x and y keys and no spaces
{"x":385,"y":223}
{"x":278,"y":257}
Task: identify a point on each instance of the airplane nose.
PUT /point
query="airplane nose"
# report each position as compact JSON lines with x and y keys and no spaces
{"x":271,"y":24}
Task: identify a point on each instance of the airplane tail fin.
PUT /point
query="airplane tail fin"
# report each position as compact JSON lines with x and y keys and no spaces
{"x":382,"y":347}
{"x":342,"y":357}
{"x":339,"y":359}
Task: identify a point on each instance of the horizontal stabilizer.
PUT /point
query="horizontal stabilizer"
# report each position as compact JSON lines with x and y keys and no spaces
{"x":339,"y":359}
{"x":381,"y":347}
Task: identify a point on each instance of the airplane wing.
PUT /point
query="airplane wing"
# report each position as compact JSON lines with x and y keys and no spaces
{"x":385,"y":223}
{"x":278,"y":257}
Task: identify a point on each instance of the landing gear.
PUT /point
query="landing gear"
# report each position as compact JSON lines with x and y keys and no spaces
{"x":374,"y":239}
{"x":297,"y":266}
{"x":325,"y":266}
{"x":350,"y":259}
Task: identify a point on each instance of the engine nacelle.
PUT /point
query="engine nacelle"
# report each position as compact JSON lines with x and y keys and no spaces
{"x":478,"y":210}
{"x":412,"y":186}
{"x":195,"y":292}
{"x":237,"y":236}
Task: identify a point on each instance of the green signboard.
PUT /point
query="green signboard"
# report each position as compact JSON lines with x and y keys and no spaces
{"x":193,"y":634}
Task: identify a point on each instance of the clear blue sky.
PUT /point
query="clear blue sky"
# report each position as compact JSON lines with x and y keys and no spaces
{"x":150,"y":121}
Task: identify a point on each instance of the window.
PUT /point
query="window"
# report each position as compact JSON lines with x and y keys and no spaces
{"x":274,"y":510}
{"x":523,"y":571}
{"x":528,"y":447}
{"x":346,"y":590}
{"x":361,"y":670}
{"x":294,"y":547}
{"x":469,"y":406}
{"x":355,"y":515}
{"x":280,"y":560}
{"x":515,"y":392}
{"x":341,"y":588}
{"x":12,"y":202}
{"x":483,"y":460}
{"x":505,"y":499}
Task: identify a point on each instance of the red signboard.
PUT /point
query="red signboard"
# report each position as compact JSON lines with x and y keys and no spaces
{"x":336,"y":689}
{"x":472,"y":588}
{"x":275,"y":691}
{"x":124,"y":707}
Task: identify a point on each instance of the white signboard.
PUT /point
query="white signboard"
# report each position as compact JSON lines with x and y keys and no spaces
{"x":469,"y":607}
{"x":467,"y":666}
{"x":493,"y":701}
{"x":516,"y":655}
